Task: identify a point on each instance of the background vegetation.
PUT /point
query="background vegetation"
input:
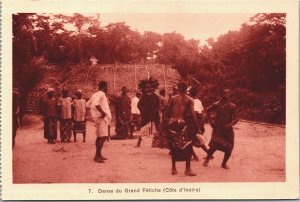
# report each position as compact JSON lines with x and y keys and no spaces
{"x":251,"y":61}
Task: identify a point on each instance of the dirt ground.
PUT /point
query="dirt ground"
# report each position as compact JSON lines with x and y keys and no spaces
{"x":258,"y":156}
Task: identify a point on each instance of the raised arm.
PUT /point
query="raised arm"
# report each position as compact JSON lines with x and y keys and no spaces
{"x":141,"y":103}
{"x":234,"y":116}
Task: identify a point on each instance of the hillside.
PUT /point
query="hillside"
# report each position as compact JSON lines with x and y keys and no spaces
{"x":251,"y":106}
{"x":86,"y":77}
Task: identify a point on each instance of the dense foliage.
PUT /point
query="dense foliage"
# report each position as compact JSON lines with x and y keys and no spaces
{"x":251,"y":61}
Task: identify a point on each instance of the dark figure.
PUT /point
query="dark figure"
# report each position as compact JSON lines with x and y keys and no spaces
{"x":100,"y":112}
{"x":182,"y":124}
{"x":15,"y":115}
{"x":222,"y":135}
{"x":149,"y":106}
{"x":125,"y":127}
{"x":49,"y":111}
{"x":123,"y":115}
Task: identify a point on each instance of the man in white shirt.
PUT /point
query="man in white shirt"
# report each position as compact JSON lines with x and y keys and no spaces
{"x":198,"y":108}
{"x":136,"y":115}
{"x":101,"y":115}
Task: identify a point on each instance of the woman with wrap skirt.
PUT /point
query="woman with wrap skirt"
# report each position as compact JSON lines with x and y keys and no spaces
{"x":49,"y":112}
{"x":65,"y":106}
{"x":222,"y":135}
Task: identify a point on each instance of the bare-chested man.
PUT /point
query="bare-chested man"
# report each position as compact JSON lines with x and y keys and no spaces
{"x":181,"y":120}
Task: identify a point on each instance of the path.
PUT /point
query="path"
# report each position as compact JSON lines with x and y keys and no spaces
{"x":258,"y":156}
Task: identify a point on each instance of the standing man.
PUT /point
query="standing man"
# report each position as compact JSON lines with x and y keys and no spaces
{"x":15,"y":115}
{"x":182,"y":124}
{"x":123,"y":114}
{"x":135,"y":112}
{"x":101,"y":115}
{"x":222,"y":135}
{"x":198,"y":108}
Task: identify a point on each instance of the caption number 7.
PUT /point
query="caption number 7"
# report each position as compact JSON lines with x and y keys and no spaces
{"x":90,"y":191}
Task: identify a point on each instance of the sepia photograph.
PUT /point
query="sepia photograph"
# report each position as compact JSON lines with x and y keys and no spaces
{"x":129,"y":101}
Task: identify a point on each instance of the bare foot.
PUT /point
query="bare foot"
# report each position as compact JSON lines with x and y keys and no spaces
{"x":103,"y":158}
{"x":196,"y":159}
{"x":189,"y":173}
{"x":174,"y":171}
{"x":99,"y":160}
{"x":225,"y":167}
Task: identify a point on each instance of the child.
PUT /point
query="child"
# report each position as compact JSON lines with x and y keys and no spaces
{"x":79,"y":116}
{"x":65,"y":108}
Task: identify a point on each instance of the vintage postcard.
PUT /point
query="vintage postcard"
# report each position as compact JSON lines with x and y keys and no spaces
{"x":147,"y":100}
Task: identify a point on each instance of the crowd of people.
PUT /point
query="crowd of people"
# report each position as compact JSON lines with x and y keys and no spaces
{"x":178,"y":120}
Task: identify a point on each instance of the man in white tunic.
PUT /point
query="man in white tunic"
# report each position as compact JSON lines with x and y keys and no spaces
{"x":198,"y":108}
{"x":101,"y":115}
{"x":136,"y":115}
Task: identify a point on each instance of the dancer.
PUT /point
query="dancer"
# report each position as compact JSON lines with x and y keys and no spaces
{"x":182,"y":122}
{"x":222,"y":135}
{"x":148,"y":104}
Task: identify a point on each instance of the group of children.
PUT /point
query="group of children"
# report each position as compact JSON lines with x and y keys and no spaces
{"x":71,"y":114}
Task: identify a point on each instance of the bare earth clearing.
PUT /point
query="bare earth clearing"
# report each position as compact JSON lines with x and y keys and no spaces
{"x":258,"y":156}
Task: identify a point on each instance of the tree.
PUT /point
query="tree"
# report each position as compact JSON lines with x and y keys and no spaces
{"x":251,"y":61}
{"x":121,"y":42}
{"x":150,"y":45}
{"x":27,"y":60}
{"x":178,"y":52}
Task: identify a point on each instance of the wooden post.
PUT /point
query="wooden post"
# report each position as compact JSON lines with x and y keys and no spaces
{"x":108,"y":128}
{"x":115,"y":76}
{"x":148,"y":75}
{"x":87,"y":76}
{"x":135,"y":77}
{"x":164,"y":74}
